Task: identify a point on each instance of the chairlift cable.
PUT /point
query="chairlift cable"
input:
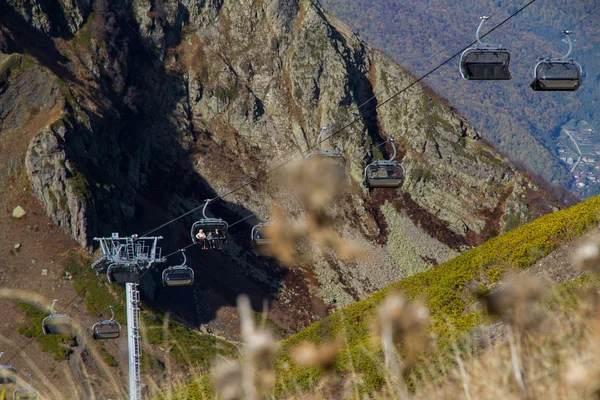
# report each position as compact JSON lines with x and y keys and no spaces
{"x":559,"y":35}
{"x":40,"y":318}
{"x":310,"y":148}
{"x":430,"y":58}
{"x":283,"y":163}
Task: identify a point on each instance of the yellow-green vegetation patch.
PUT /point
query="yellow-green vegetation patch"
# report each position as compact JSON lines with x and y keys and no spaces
{"x":60,"y":346}
{"x":443,"y":288}
{"x":186,"y":346}
{"x":94,"y":289}
{"x":565,"y":296}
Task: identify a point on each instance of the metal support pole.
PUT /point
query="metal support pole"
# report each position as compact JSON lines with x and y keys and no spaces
{"x":133,"y":341}
{"x":138,"y":254}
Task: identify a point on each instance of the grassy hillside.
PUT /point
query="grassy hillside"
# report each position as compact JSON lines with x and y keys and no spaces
{"x":523,"y":124}
{"x":447,"y":289}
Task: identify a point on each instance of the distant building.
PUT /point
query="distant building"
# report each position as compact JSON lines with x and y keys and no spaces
{"x":563,"y":150}
{"x":570,"y":160}
{"x":580,"y":184}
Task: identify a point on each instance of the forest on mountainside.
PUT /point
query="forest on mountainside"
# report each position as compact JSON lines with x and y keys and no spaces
{"x":524,"y":124}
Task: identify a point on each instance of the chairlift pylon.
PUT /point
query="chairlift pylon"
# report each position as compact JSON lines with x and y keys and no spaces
{"x":558,"y":74}
{"x":178,"y":275}
{"x":57,"y":324}
{"x":210,"y":233}
{"x":485,"y":61}
{"x":260,"y":234}
{"x":8,"y":373}
{"x":107,"y":329}
{"x":26,"y":392}
{"x":384,"y":173}
{"x":333,"y":157}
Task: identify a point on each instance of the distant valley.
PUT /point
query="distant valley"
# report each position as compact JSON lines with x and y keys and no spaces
{"x":526,"y":125}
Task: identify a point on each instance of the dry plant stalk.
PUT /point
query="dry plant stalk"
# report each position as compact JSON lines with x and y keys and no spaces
{"x":401,"y":323}
{"x":587,"y":257}
{"x":311,"y":355}
{"x":254,"y":377}
{"x":316,"y":184}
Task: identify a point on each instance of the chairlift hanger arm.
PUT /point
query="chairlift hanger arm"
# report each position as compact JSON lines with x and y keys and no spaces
{"x":323,"y":129}
{"x":52,"y":307}
{"x":394,"y":150}
{"x":570,"y":42}
{"x":478,"y":34}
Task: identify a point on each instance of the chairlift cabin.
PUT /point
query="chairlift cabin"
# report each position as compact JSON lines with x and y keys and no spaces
{"x":8,"y":373}
{"x":260,"y":234}
{"x":485,"y":61}
{"x":57,"y":324}
{"x":26,"y":392}
{"x":178,"y":275}
{"x":331,"y":157}
{"x":108,"y":329}
{"x":384,"y":173}
{"x":123,"y":273}
{"x":558,"y":74}
{"x":210,"y":233}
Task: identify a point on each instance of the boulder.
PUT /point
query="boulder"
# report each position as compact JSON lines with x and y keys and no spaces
{"x":18,"y":212}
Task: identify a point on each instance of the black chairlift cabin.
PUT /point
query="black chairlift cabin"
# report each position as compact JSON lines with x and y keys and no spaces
{"x":203,"y":229}
{"x":57,"y":324}
{"x":120,"y":274}
{"x":8,"y":373}
{"x":485,"y":61}
{"x":260,"y":234}
{"x":178,"y":275}
{"x":26,"y":392}
{"x":107,"y":329}
{"x":558,"y":74}
{"x":333,"y":157}
{"x":384,"y":173}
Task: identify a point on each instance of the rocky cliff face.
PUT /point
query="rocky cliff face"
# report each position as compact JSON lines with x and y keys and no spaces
{"x":163,"y":104}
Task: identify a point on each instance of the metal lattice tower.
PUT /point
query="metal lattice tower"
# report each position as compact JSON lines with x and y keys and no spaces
{"x":139,"y":254}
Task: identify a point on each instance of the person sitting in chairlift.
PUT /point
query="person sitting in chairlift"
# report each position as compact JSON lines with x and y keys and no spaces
{"x":219,"y":237}
{"x":210,"y":239}
{"x":201,"y":236}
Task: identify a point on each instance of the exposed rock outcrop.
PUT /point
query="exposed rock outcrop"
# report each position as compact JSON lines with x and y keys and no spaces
{"x":168,"y":103}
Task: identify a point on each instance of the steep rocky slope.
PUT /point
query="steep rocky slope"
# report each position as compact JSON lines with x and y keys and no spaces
{"x":157,"y":106}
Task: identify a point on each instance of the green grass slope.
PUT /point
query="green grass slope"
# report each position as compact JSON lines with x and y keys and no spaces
{"x":447,"y":289}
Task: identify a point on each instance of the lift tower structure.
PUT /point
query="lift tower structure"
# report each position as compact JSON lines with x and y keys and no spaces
{"x":124,"y":260}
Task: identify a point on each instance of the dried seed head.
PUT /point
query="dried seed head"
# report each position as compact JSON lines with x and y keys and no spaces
{"x":405,"y":323}
{"x":227,"y":379}
{"x":587,"y":257}
{"x":402,"y":317}
{"x":516,"y":303}
{"x":261,"y":347}
{"x":316,"y":183}
{"x":308,"y":354}
{"x":584,"y":379}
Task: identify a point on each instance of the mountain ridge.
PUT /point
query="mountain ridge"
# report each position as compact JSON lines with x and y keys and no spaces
{"x":141,"y":110}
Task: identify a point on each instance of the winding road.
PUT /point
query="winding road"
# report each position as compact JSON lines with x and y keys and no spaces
{"x":577,"y":147}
